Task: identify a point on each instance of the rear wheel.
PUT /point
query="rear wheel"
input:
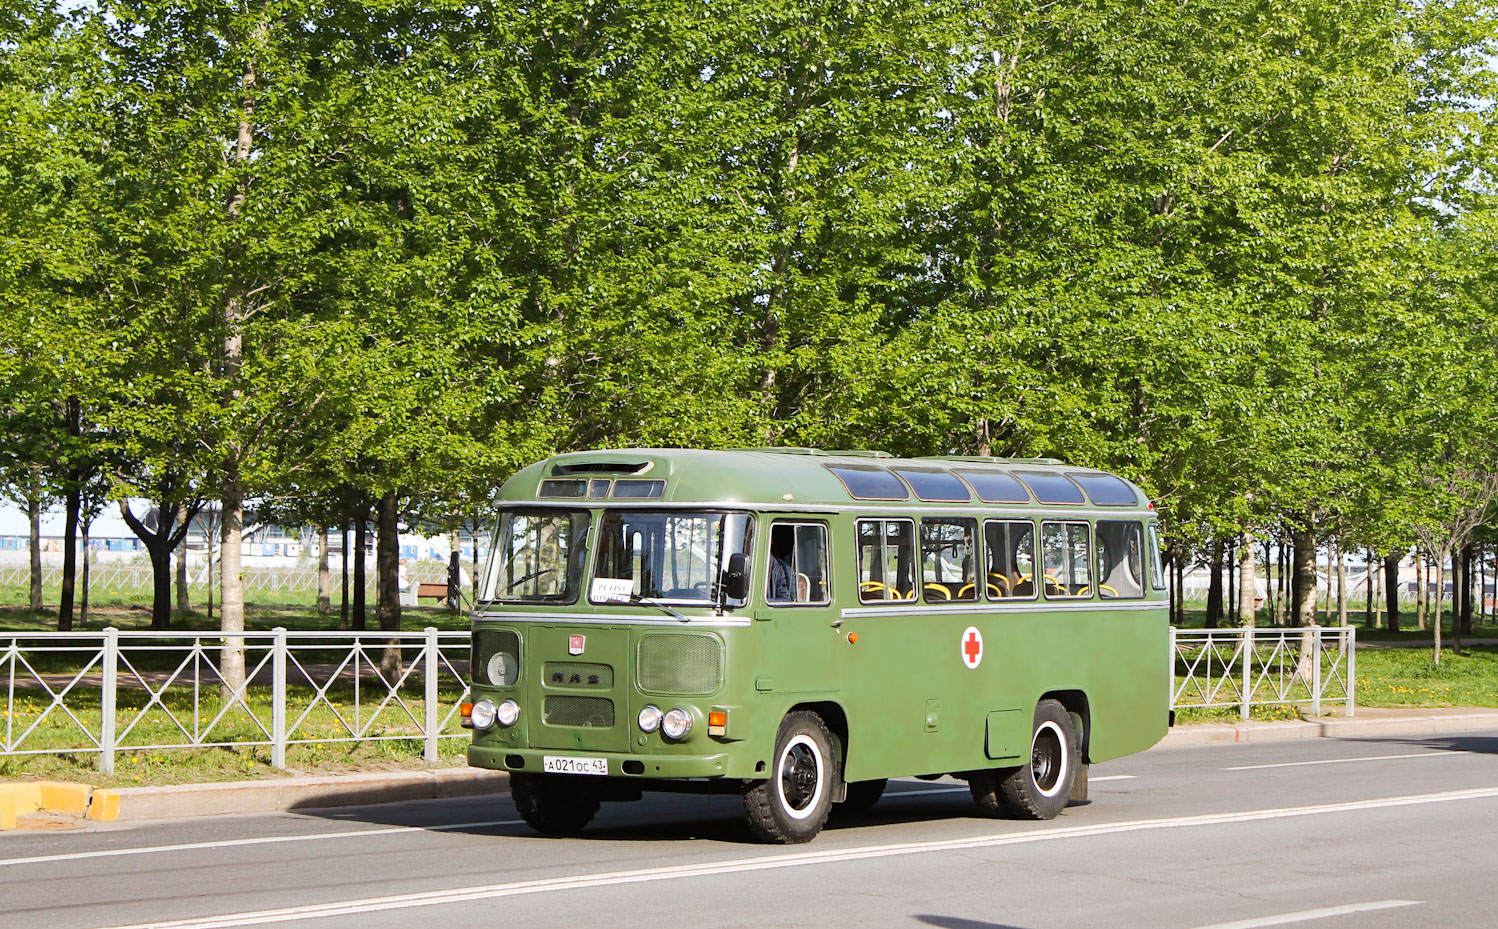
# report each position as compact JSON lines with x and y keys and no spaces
{"x":1040,"y":789}
{"x":792,"y":805}
{"x":552,"y":803}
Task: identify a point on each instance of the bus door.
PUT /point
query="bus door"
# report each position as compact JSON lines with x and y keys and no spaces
{"x":802,"y":654}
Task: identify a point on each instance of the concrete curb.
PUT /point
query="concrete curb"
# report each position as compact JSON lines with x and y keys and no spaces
{"x":1214,"y":733}
{"x":293,"y":793}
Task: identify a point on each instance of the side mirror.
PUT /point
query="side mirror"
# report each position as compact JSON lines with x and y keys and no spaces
{"x":736,"y":577}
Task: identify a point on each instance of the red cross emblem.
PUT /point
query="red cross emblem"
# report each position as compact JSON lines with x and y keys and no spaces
{"x":575,"y":644}
{"x":972,"y":647}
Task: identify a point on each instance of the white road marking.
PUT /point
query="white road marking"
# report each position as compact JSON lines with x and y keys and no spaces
{"x":785,"y":860}
{"x":261,"y":840}
{"x":1306,"y":915}
{"x":1301,"y":764}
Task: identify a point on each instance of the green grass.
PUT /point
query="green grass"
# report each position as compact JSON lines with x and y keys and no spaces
{"x":257,"y":619}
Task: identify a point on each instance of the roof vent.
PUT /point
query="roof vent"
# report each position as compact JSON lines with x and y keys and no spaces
{"x":603,"y":467}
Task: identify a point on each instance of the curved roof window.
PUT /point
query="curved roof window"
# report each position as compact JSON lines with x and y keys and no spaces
{"x":871,"y":483}
{"x":935,"y":486}
{"x":1106,"y":490}
{"x":996,"y":486}
{"x":1052,"y":488}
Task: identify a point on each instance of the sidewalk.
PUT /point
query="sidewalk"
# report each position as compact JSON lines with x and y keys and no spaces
{"x":294,"y":793}
{"x":1367,"y":721}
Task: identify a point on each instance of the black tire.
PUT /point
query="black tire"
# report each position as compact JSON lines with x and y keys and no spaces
{"x":792,"y":805}
{"x":861,"y":797}
{"x":554,"y":804}
{"x":1040,"y":789}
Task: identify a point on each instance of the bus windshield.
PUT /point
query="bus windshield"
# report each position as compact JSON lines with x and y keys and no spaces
{"x":666,"y":555}
{"x":537,"y":556}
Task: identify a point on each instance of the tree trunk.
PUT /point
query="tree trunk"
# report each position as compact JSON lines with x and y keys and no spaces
{"x":1420,"y":590}
{"x":34,"y":519}
{"x":1230,"y":559}
{"x":454,"y":569}
{"x":343,"y":583}
{"x":184,"y":601}
{"x":1370,"y":582}
{"x":83,"y":573}
{"x":1247,"y":574}
{"x":324,"y":601}
{"x":161,"y":586}
{"x":1304,"y":543}
{"x":231,"y":584}
{"x":1214,"y":586}
{"x":1391,"y":590}
{"x":1341,"y":564}
{"x":360,"y":620}
{"x":387,"y":564}
{"x":72,"y":502}
{"x":1435,"y":624}
{"x":1469,"y":560}
{"x":208,"y":569}
{"x":1282,"y":605}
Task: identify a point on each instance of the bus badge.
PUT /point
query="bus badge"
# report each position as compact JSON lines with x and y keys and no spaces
{"x":972,"y":647}
{"x":575,"y":644}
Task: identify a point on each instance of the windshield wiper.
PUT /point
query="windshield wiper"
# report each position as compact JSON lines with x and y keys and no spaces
{"x":636,"y":598}
{"x":527,"y":577}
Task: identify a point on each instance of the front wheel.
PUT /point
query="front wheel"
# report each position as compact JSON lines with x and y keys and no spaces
{"x":792,"y":805}
{"x":554,"y":804}
{"x":1040,"y":789}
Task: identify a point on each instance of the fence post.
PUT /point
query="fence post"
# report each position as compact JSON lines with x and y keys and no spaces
{"x":432,"y":671}
{"x":1316,"y":672}
{"x":278,"y":699}
{"x":109,"y":671}
{"x":1248,"y":670}
{"x":1352,"y":670}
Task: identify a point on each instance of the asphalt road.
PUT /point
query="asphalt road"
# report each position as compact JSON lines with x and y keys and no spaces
{"x":1327,"y":833}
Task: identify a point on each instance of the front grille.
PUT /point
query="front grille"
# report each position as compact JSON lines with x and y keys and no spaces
{"x":585,"y":712}
{"x":578,"y":674}
{"x":680,"y":664}
{"x":495,"y":657}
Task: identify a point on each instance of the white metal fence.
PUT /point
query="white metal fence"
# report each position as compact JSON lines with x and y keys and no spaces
{"x":103,"y":693}
{"x":1248,"y":667}
{"x":111,"y":692}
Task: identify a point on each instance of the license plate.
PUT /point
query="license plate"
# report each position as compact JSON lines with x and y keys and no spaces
{"x":561,"y":764}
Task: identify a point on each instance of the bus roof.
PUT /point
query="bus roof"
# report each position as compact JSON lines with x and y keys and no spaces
{"x":808,"y":478}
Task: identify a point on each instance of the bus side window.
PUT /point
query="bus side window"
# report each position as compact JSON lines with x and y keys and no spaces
{"x":1157,"y":571}
{"x":1066,"y":559}
{"x":798,"y":563}
{"x":948,"y":560}
{"x":1120,"y":546}
{"x":1011,"y":558}
{"x":886,"y":560}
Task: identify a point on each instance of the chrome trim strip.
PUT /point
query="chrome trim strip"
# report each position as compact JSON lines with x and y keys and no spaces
{"x":905,"y":509}
{"x":622,"y":619}
{"x":1028,"y":606}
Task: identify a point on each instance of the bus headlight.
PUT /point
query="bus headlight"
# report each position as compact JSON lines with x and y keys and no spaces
{"x":676,"y":723}
{"x":483,"y":714}
{"x":650,"y":718}
{"x":507,"y":713}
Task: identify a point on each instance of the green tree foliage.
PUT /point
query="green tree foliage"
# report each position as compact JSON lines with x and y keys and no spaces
{"x":309,"y":254}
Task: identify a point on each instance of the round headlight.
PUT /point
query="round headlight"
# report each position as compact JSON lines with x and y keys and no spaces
{"x":676,"y":723}
{"x":507,"y":713}
{"x":650,"y":719}
{"x":482,"y":714}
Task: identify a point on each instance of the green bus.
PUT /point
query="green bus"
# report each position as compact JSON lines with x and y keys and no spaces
{"x":799,"y":626}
